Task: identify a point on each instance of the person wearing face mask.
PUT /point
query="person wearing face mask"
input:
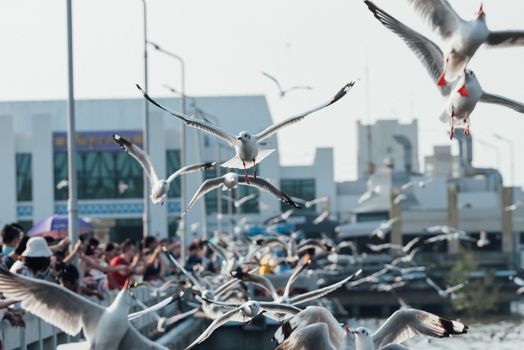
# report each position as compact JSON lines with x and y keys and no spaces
{"x":11,"y":235}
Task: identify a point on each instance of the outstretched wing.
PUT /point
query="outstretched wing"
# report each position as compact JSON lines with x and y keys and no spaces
{"x":207,"y":186}
{"x":502,"y":101}
{"x":440,"y":15}
{"x":190,"y":169}
{"x":274,"y":80}
{"x":140,"y":156}
{"x":51,"y":302}
{"x":194,"y":123}
{"x":426,"y":50}
{"x":407,"y":323}
{"x":266,"y":186}
{"x":505,"y":39}
{"x":264,"y":134}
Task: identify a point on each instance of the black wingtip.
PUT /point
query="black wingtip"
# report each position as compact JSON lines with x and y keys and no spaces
{"x":452,"y":327}
{"x":343,"y":91}
{"x":139,"y":88}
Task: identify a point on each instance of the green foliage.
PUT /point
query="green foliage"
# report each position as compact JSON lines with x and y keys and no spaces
{"x":480,"y":294}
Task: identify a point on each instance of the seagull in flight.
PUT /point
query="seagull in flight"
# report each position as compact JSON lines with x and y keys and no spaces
{"x":444,"y":293}
{"x":159,"y":187}
{"x":283,"y":92}
{"x":230,"y":181}
{"x":246,"y":145}
{"x":463,"y":93}
{"x":463,"y":37}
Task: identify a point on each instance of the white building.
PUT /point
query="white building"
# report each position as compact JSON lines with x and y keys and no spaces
{"x":34,"y":177}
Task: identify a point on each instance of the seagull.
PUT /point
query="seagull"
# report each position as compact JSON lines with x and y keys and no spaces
{"x":483,"y":239}
{"x":404,"y":249}
{"x":159,"y":187}
{"x":405,"y":324}
{"x":463,"y":37}
{"x":399,"y":198}
{"x":444,"y":293}
{"x":465,"y":91}
{"x":238,"y":203}
{"x":383,"y":228}
{"x":369,"y":194}
{"x":419,"y":183}
{"x":283,"y":92}
{"x":62,"y":184}
{"x":315,"y":201}
{"x":447,"y":234}
{"x":230,"y":181}
{"x":244,"y":312}
{"x":513,"y":206}
{"x":321,"y":217}
{"x":105,"y":328}
{"x":247,"y":152}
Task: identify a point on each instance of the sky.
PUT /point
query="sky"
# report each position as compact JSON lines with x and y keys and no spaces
{"x":227,"y":43}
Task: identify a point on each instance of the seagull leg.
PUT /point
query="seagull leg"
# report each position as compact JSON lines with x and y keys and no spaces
{"x":441,"y":80}
{"x":466,"y":126}
{"x":255,"y":169}
{"x":245,"y":172}
{"x":452,"y":124}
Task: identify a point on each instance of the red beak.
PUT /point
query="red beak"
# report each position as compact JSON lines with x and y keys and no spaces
{"x":481,"y":10}
{"x":126,"y":284}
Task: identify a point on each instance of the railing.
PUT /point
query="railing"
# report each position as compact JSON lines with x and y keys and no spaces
{"x":40,"y":335}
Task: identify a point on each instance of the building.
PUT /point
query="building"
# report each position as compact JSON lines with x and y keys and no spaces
{"x":110,"y":182}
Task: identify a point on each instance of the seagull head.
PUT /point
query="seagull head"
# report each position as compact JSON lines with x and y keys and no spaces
{"x":480,"y":13}
{"x":244,"y":136}
{"x":363,"y":337}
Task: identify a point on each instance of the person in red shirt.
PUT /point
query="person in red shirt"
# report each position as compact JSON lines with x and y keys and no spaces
{"x":128,"y":257}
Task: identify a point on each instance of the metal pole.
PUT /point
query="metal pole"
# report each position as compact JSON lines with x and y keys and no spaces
{"x":512,"y":155}
{"x":219,"y":193}
{"x":72,"y":205}
{"x":146,"y":218}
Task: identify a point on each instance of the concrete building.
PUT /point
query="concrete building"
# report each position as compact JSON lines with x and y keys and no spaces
{"x":110,"y":182}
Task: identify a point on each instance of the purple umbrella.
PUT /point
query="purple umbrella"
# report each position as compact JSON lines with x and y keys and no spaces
{"x":56,"y":226}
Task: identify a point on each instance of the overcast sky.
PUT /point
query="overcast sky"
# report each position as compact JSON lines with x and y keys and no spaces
{"x":227,"y":43}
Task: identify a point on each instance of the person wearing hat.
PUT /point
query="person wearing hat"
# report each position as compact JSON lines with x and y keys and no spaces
{"x":36,"y":259}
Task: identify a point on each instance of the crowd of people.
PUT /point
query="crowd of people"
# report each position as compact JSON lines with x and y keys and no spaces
{"x":90,"y":267}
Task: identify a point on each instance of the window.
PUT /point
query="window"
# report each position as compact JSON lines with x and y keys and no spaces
{"x":24,"y":190}
{"x":300,"y":188}
{"x":172,"y":165}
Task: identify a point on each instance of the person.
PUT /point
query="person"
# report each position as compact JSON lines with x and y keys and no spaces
{"x":194,"y":257}
{"x":36,"y":259}
{"x":11,"y":235}
{"x":155,"y":267}
{"x":70,"y":279}
{"x":127,"y":258}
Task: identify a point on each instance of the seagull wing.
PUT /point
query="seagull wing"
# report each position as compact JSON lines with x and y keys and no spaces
{"x":426,"y":50}
{"x":433,"y":285}
{"x":178,"y":317}
{"x":194,"y":123}
{"x":505,"y":39}
{"x":440,"y":15}
{"x":407,"y":323}
{"x":296,"y":272}
{"x":244,"y":199}
{"x":190,"y":169}
{"x":298,"y":87}
{"x":154,"y":308}
{"x":315,"y":294}
{"x":502,"y":101}
{"x":207,"y":186}
{"x":52,"y":303}
{"x":190,"y":276}
{"x":258,"y":280}
{"x":312,"y":337}
{"x":321,"y":217}
{"x":140,"y":156}
{"x":264,"y":185}
{"x":266,"y":133}
{"x":274,"y":80}
{"x":410,"y":244}
{"x":217,"y":323}
{"x":455,"y":288}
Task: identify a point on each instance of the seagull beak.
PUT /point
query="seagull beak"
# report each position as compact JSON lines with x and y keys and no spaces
{"x":481,"y":10}
{"x":126,"y":285}
{"x":239,"y":138}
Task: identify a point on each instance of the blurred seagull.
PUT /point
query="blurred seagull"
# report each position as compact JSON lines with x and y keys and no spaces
{"x":447,"y":233}
{"x":247,"y":150}
{"x":315,"y":201}
{"x":230,"y":181}
{"x":444,"y":293}
{"x":384,"y":228}
{"x":419,"y":183}
{"x":281,"y":91}
{"x":464,"y":92}
{"x":483,"y":239}
{"x":511,"y":207}
{"x":463,"y":37}
{"x":159,"y":187}
{"x":238,"y":203}
{"x":369,"y":194}
{"x":399,"y":198}
{"x":404,"y":249}
{"x":321,"y":217}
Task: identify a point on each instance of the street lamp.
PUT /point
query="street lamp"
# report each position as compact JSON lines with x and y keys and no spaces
{"x":512,"y":155}
{"x":494,"y":148}
{"x":145,"y":133}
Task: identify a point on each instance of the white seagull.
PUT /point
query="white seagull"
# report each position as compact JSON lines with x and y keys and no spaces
{"x":483,"y":239}
{"x":463,"y":37}
{"x":105,"y":328}
{"x":282,"y":92}
{"x":405,"y":324}
{"x":464,"y":93}
{"x":384,"y":228}
{"x":159,"y":187}
{"x":369,"y":194}
{"x":247,"y":150}
{"x":230,"y":181}
{"x":513,"y":206}
{"x":444,"y":293}
{"x":447,"y":233}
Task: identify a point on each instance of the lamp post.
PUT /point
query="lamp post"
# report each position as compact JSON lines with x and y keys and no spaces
{"x":494,"y":148}
{"x":146,"y":218}
{"x":72,"y":205}
{"x":512,"y":155}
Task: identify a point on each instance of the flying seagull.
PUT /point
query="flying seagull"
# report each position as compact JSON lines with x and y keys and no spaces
{"x":463,"y":37}
{"x":231,"y":180}
{"x":465,"y":91}
{"x":247,"y":150}
{"x":159,"y":187}
{"x":283,"y":92}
